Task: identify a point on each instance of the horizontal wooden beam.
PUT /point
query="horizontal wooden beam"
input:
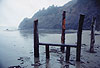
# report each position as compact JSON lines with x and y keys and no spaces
{"x":50,"y":44}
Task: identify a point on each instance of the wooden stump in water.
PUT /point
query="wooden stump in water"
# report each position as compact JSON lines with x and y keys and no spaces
{"x":92,"y":35}
{"x":36,"y":39}
{"x":79,"y":37}
{"x":63,"y":31}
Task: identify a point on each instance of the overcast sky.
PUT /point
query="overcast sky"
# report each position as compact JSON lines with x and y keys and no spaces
{"x":12,"y":12}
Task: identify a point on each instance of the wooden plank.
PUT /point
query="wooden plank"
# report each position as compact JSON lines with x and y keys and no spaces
{"x":92,"y":35}
{"x":47,"y":52}
{"x":63,"y":30}
{"x":36,"y":39}
{"x":52,"y":44}
{"x":79,"y":36}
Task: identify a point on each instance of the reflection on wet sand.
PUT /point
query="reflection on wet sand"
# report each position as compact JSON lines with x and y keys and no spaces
{"x":1,"y":66}
{"x":26,"y":33}
{"x":36,"y":62}
{"x":78,"y":65}
{"x":15,"y":44}
{"x":29,"y":33}
{"x":47,"y":63}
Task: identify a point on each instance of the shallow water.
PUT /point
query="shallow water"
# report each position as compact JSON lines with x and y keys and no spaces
{"x":16,"y":48}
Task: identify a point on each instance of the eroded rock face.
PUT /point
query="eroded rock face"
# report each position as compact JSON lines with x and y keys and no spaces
{"x":52,"y":17}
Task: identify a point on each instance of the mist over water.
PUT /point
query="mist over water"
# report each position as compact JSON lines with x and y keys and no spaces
{"x":0,"y":0}
{"x":12,"y":12}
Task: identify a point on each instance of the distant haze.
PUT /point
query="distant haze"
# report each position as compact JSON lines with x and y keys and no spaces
{"x":12,"y":12}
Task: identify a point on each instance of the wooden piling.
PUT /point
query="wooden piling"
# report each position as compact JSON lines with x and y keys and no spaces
{"x":63,"y":30}
{"x":67,"y":54}
{"x":79,"y":36}
{"x":47,"y":52}
{"x":92,"y":35}
{"x":36,"y":39}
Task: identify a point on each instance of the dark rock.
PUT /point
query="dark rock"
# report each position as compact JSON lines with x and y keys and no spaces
{"x":84,"y":44}
{"x":20,"y":58}
{"x":97,"y":34}
{"x":53,"y":50}
{"x":22,"y":63}
{"x":88,"y":62}
{"x":14,"y":66}
{"x":72,"y":63}
{"x":31,"y":52}
{"x":36,"y":64}
{"x":96,"y":55}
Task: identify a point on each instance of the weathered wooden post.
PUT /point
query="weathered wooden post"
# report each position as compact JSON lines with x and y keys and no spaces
{"x":36,"y":39}
{"x":63,"y":30}
{"x":79,"y":36}
{"x":47,"y":52}
{"x":92,"y":35}
{"x":67,"y":53}
{"x":97,"y":22}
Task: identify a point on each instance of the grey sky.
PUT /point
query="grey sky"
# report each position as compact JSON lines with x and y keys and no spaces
{"x":12,"y":12}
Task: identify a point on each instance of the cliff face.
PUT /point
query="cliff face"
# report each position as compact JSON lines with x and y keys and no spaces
{"x":89,"y":8}
{"x":52,"y":17}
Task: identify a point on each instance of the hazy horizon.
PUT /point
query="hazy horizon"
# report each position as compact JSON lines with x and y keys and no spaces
{"x":12,"y":12}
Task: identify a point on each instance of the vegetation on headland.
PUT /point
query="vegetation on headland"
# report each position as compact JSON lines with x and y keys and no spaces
{"x":51,"y":17}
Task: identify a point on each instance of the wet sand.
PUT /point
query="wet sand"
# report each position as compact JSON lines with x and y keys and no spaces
{"x":16,"y":49}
